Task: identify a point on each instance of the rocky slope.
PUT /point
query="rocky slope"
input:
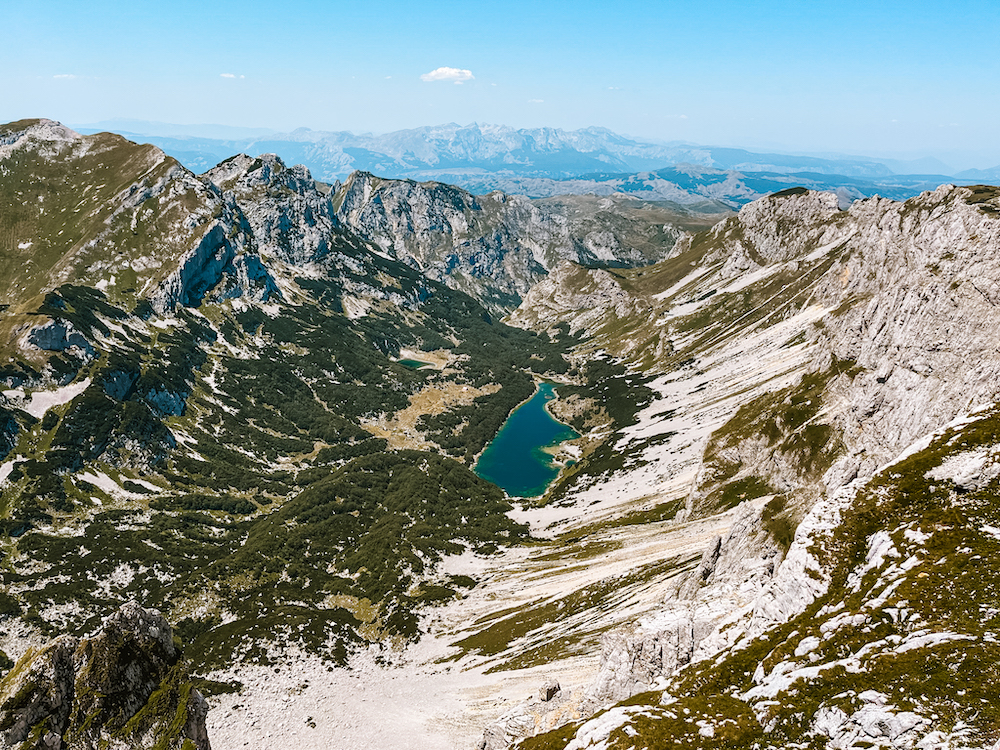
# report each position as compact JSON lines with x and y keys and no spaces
{"x":495,"y":247}
{"x":865,"y":297}
{"x":122,"y":687}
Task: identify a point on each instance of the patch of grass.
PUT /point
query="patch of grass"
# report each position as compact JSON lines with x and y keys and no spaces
{"x":777,"y":523}
{"x":732,"y":494}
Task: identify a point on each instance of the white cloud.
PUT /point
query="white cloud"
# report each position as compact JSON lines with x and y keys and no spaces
{"x":230,"y":75}
{"x":458,"y":75}
{"x":65,"y":76}
{"x":536,"y":101}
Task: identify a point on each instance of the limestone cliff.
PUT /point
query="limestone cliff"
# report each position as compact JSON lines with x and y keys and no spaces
{"x":122,"y":687}
{"x":496,"y":246}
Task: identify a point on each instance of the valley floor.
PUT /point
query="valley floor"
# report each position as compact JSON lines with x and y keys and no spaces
{"x":540,"y":610}
{"x":432,"y":695}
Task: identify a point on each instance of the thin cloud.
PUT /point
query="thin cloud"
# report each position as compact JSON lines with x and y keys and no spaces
{"x":536,"y":101}
{"x":456,"y":75}
{"x":65,"y":76}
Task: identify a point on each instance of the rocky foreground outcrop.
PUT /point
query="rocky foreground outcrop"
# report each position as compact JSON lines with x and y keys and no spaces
{"x":123,"y":687}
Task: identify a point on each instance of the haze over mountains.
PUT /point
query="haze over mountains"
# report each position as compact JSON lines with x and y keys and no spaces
{"x":544,"y":162}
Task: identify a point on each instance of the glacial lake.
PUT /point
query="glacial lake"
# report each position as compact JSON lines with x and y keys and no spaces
{"x":516,"y":460}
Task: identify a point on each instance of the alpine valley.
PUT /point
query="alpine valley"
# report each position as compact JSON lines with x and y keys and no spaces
{"x":241,"y":412}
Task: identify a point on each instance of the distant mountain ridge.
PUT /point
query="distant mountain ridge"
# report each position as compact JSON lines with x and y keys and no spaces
{"x":547,"y":162}
{"x":550,"y":152}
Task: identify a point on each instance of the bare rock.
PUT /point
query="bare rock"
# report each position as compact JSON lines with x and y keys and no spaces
{"x":548,"y":690}
{"x":36,"y":697}
{"x":58,"y":336}
{"x":123,"y":687}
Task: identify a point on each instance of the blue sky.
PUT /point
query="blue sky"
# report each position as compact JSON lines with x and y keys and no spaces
{"x":887,"y":78}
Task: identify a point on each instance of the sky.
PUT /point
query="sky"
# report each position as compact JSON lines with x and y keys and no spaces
{"x":880,"y":77}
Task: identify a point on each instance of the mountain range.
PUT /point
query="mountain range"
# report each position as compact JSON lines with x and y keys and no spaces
{"x":777,"y":527}
{"x":543,"y":162}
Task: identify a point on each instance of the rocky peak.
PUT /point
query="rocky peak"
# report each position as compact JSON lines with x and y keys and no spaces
{"x":242,"y":173}
{"x":22,"y":132}
{"x":122,"y":687}
{"x":290,"y":219}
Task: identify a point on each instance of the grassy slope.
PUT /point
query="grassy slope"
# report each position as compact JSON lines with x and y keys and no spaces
{"x":189,"y":472}
{"x":918,"y":626}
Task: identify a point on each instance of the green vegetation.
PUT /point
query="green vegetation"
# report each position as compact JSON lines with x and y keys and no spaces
{"x":61,"y":204}
{"x":777,"y":523}
{"x":281,"y":507}
{"x":733,"y":493}
{"x":944,"y":530}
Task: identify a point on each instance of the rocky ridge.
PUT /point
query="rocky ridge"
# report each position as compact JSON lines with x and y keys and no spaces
{"x":122,"y":687}
{"x":496,"y":247}
{"x":891,"y":279}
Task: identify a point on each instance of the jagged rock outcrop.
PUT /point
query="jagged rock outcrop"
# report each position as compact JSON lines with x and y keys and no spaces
{"x":123,"y":687}
{"x":289,"y":217}
{"x":496,"y":247}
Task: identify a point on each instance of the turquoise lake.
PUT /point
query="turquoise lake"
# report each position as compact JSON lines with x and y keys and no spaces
{"x":516,"y":460}
{"x":414,"y":364}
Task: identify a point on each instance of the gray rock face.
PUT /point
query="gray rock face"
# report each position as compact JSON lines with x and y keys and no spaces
{"x":731,"y":572}
{"x":553,"y":707}
{"x":222,"y":262}
{"x":118,"y":384}
{"x":495,"y":247}
{"x":289,"y":218}
{"x":166,"y":402}
{"x":548,"y":690}
{"x":120,"y":688}
{"x":59,"y":336}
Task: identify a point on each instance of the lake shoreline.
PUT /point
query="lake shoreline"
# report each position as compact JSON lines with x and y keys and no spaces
{"x":523,"y":466}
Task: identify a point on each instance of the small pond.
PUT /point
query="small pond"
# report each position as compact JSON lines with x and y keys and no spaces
{"x":414,"y":364}
{"x":517,"y":459}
